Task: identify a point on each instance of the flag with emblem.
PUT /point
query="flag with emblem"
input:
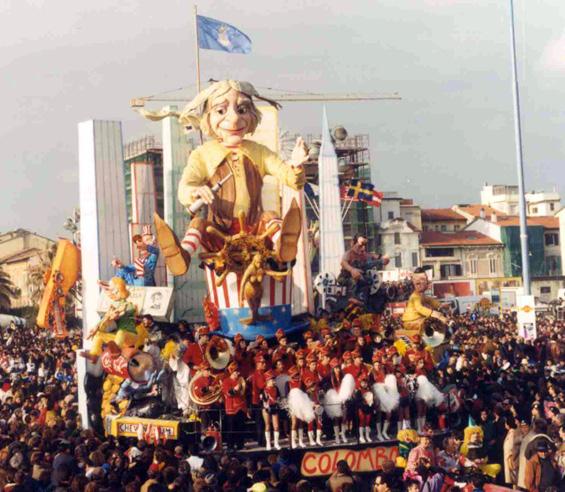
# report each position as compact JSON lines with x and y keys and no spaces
{"x":217,"y":35}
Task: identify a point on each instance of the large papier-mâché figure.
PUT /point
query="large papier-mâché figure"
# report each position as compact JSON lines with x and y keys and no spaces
{"x":118,"y":324}
{"x":420,"y":307}
{"x":226,"y":113}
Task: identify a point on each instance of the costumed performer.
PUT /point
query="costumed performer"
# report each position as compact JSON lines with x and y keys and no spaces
{"x":235,"y":406}
{"x":226,"y":113}
{"x":476,"y":453}
{"x":341,"y":390}
{"x":270,"y":399}
{"x":386,"y":394}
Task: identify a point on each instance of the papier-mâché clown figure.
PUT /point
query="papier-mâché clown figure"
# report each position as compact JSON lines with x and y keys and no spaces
{"x":226,"y":113}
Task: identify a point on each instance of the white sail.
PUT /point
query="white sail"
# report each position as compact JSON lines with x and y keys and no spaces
{"x":331,"y":225}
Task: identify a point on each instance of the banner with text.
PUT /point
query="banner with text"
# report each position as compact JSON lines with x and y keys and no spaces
{"x":362,"y":460}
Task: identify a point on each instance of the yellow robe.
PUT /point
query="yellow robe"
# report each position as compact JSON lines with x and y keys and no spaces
{"x":418,"y":309}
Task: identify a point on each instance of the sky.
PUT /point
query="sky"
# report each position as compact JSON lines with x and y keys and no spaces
{"x":63,"y":62}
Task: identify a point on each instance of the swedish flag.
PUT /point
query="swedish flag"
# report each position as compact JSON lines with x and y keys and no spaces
{"x":217,"y":35}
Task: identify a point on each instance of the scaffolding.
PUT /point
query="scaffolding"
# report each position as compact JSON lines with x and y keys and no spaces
{"x":354,"y":163}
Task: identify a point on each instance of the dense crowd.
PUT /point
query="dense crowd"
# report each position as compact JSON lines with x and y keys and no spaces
{"x":508,"y":429}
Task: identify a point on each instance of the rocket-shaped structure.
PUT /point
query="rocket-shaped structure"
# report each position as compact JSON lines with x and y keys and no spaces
{"x":331,"y":225}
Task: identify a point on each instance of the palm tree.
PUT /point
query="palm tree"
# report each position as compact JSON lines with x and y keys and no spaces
{"x":7,"y":291}
{"x":36,"y":274}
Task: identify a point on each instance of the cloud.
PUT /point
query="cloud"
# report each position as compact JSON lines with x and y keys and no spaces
{"x":553,"y":57}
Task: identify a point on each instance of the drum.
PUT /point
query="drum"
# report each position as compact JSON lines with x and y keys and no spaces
{"x":140,"y":367}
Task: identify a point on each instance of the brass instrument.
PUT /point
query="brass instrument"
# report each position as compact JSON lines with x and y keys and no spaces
{"x":242,"y":386}
{"x":209,"y":398}
{"x":218,"y":354}
{"x":434,"y":332}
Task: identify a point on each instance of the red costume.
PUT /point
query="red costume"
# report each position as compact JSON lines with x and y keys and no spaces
{"x":234,"y":401}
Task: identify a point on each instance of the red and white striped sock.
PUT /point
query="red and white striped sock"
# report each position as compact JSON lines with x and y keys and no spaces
{"x":277,"y":235}
{"x":191,"y":241}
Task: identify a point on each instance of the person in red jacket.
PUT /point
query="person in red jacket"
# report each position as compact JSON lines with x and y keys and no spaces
{"x":194,"y":352}
{"x":242,"y":356}
{"x":323,"y":366}
{"x":233,"y":390}
{"x":257,"y":383}
{"x":311,"y":370}
{"x":283,"y":351}
{"x":270,"y":403}
{"x":296,"y":426}
{"x":311,"y":384}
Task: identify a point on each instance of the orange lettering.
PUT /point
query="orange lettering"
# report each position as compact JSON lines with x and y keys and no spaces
{"x":380,"y":456}
{"x":393,"y":453}
{"x":324,"y":469}
{"x":364,"y":455}
{"x":353,"y":462}
{"x":305,"y":469}
{"x":334,"y":464}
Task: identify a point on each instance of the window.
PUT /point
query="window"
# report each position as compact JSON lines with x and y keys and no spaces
{"x":473,"y":266}
{"x":390,"y":215}
{"x":450,"y":271}
{"x":397,"y":238}
{"x":414,"y":259}
{"x":534,"y":210}
{"x":545,"y":290}
{"x":456,"y":227}
{"x":434,"y":252}
{"x":398,"y":261}
{"x":552,"y":239}
{"x":492,"y":265}
{"x":443,"y":228}
{"x":378,"y":241}
{"x":552,"y":206}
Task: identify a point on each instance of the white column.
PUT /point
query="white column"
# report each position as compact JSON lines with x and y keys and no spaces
{"x":103,"y":224}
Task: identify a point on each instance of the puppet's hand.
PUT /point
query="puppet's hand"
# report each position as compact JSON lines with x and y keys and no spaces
{"x":300,"y":153}
{"x":205,"y":193}
{"x":297,"y":178}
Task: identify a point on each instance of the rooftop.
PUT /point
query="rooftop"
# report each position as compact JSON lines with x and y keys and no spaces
{"x":441,"y":215}
{"x":460,"y":238}
{"x":546,"y":221}
{"x":474,"y":209}
{"x":26,"y":254}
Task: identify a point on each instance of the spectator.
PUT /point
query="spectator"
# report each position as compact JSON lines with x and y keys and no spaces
{"x":541,"y":473}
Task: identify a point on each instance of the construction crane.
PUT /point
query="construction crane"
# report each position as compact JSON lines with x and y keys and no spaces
{"x":276,"y":94}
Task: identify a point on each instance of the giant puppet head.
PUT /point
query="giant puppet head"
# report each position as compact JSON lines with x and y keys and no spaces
{"x":420,"y":280}
{"x":225,"y":111}
{"x":117,"y":290}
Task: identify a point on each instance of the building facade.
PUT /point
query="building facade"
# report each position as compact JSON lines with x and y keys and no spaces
{"x":442,"y":220}
{"x":461,"y":255}
{"x":399,"y":240}
{"x":19,"y":251}
{"x":505,"y":199}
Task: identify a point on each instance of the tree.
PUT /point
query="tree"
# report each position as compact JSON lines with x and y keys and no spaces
{"x":7,"y":291}
{"x":36,"y":274}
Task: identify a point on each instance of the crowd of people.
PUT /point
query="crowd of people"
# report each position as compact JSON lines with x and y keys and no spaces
{"x":507,"y":426}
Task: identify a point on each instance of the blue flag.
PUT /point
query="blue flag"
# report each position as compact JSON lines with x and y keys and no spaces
{"x":217,"y":35}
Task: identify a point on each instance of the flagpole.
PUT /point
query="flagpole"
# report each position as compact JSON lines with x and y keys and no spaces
{"x":197,"y":49}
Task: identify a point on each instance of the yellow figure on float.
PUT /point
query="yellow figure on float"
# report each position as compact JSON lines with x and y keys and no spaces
{"x":118,"y":324}
{"x":420,"y":307}
{"x":226,"y":174}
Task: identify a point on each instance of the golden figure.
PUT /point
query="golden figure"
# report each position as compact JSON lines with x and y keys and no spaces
{"x":245,"y":254}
